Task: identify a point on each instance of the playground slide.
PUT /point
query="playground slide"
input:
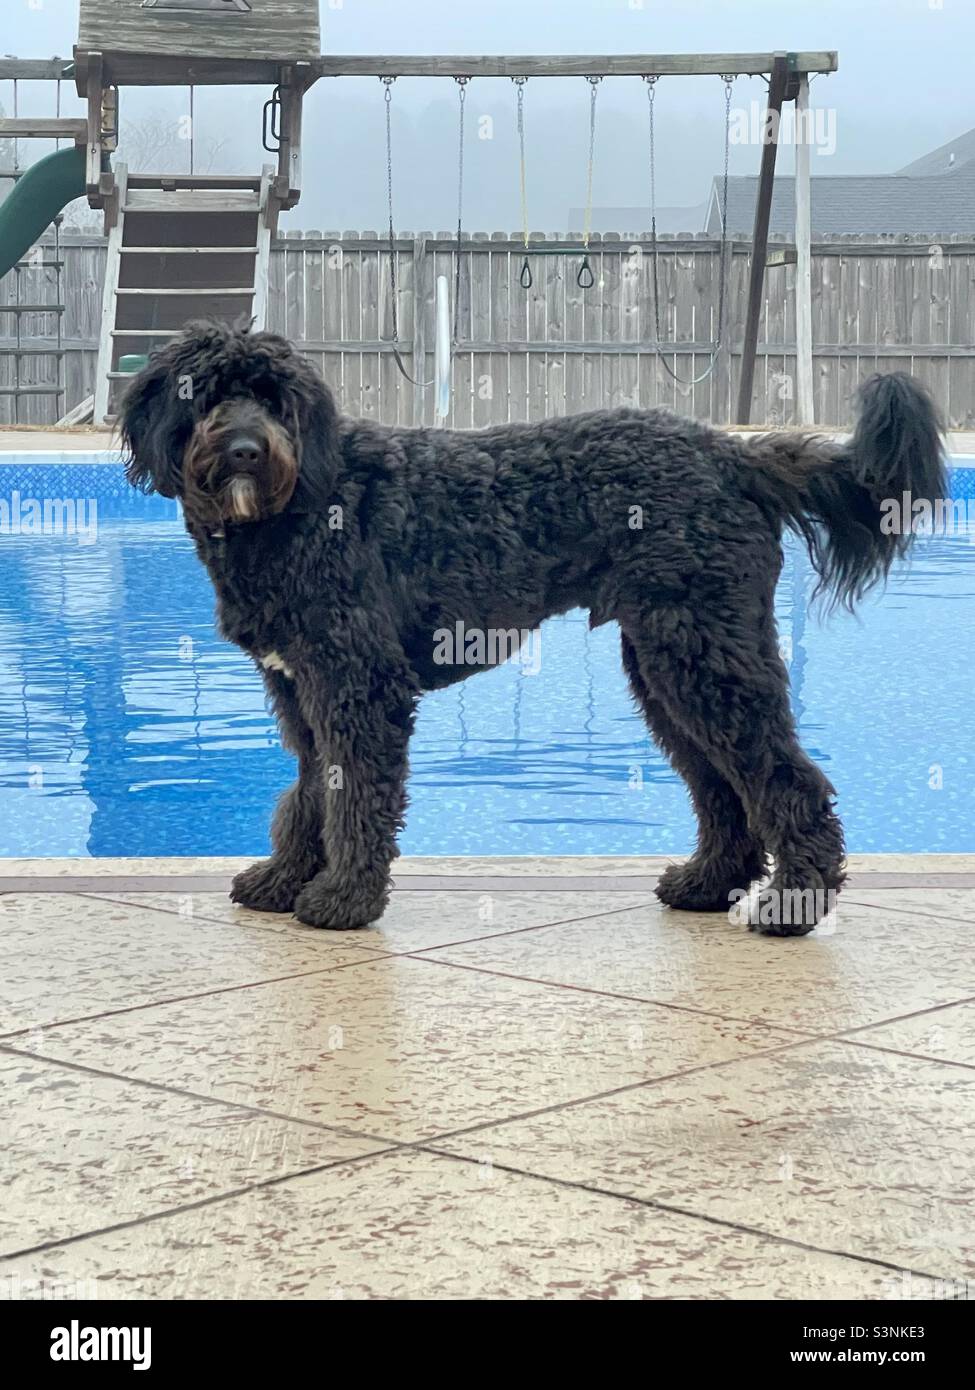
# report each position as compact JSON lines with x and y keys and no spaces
{"x":36,"y":199}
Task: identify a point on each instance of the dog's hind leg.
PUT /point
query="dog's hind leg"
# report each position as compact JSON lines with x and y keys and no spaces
{"x":717,"y":673}
{"x":728,"y":855}
{"x":296,"y":831}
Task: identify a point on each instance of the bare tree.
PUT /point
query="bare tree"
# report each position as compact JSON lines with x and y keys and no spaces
{"x":160,"y":144}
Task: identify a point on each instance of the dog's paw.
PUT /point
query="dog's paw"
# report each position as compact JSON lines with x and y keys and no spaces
{"x":784,"y":910}
{"x":337,"y":908}
{"x":700,"y":886}
{"x":269,"y":886}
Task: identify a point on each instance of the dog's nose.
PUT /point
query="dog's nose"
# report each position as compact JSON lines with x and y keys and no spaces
{"x":244,"y":451}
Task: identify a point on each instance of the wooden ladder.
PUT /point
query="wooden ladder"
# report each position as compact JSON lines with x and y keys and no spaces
{"x":180,"y":247}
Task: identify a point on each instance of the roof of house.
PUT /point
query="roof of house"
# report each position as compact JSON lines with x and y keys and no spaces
{"x":847,"y":204}
{"x":945,"y":159}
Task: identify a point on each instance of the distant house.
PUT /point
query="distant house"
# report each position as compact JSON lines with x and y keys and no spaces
{"x":933,"y":196}
{"x":947,"y":159}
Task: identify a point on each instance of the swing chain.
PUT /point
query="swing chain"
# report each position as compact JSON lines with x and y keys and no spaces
{"x":393,"y":288}
{"x":585,"y":278}
{"x":525,"y":278}
{"x":388,"y":97}
{"x":651,"y":81}
{"x":462,"y":98}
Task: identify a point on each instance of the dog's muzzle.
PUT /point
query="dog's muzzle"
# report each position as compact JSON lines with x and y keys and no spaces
{"x":240,"y":467}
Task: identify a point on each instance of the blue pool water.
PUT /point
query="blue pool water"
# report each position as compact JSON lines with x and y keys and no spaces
{"x":127,"y":727}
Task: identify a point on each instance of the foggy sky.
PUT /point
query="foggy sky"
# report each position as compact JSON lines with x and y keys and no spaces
{"x":903,"y":88}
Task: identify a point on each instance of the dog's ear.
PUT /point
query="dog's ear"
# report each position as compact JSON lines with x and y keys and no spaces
{"x":154,"y":426}
{"x":315,"y":430}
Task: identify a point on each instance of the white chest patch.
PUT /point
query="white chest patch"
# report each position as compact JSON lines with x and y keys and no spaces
{"x":273,"y":662}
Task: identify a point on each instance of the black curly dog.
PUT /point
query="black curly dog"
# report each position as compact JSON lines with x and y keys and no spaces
{"x":339,"y":547}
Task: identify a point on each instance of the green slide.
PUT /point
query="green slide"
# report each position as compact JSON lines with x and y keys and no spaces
{"x":36,"y":199}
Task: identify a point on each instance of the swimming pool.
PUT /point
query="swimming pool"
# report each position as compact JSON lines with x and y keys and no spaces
{"x":127,"y":727}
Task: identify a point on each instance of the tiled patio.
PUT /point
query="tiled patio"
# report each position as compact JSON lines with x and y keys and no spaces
{"x":528,"y":1081}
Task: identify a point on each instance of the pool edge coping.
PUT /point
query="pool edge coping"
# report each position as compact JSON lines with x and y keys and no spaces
{"x":494,"y":874}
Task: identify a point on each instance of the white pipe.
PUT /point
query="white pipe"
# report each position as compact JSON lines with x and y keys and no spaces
{"x":441,"y":356}
{"x":805,"y":398}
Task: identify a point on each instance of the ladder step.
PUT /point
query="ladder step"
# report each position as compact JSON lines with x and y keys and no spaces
{"x":188,"y":250}
{"x":189,"y":292}
{"x":189,"y":181}
{"x":190,"y":200}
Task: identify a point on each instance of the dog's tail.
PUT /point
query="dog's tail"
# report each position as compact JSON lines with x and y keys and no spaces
{"x":848,"y":500}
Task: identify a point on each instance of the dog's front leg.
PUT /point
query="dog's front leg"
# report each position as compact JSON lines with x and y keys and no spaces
{"x":362,"y":717}
{"x":297,"y":829}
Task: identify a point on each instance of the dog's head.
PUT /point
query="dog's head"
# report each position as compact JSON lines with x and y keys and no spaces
{"x":235,"y":424}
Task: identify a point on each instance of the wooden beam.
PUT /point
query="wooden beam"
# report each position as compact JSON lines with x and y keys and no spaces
{"x":267,"y":216}
{"x":573,"y":65}
{"x":805,"y":400}
{"x":93,"y":158}
{"x":35,"y":128}
{"x":294,"y":82}
{"x":158,"y":69}
{"x":763,"y":209}
{"x":106,"y":344}
{"x":35,"y":69}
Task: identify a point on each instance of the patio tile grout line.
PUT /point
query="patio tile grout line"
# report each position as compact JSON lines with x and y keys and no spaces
{"x":385,"y":950}
{"x":903,"y":1018}
{"x":407,"y":1143}
{"x":389,"y":1145}
{"x":657,"y":1205}
{"x":899,"y":1052}
{"x":914,"y":911}
{"x":152,"y":1217}
{"x":370,"y":955}
{"x":647,"y":1203}
{"x":223,"y":922}
{"x":800,"y":1033}
{"x":420,"y":951}
{"x":605,"y":994}
{"x":799,"y":1039}
{"x":87,"y":1069}
{"x":368,"y":958}
{"x":741,"y":1059}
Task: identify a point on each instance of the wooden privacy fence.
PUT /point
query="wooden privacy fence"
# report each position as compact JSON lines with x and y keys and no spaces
{"x":878,"y":305}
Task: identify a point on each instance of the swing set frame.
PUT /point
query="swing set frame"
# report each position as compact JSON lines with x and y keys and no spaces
{"x":787,"y":75}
